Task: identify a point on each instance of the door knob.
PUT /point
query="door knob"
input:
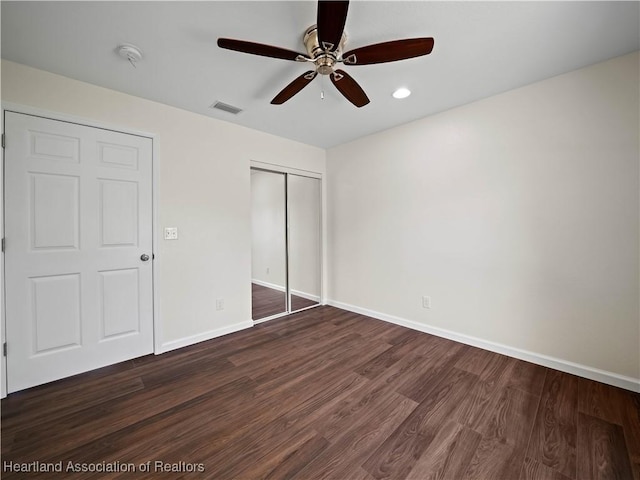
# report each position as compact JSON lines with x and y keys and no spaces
{"x":144,"y":257}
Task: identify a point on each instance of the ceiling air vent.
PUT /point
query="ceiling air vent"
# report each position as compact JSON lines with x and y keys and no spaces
{"x":226,"y":108}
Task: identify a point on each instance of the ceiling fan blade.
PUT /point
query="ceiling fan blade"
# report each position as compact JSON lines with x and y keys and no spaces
{"x":260,"y":49}
{"x":294,"y":87}
{"x":332,"y":15}
{"x":348,"y":87}
{"x":389,"y":51}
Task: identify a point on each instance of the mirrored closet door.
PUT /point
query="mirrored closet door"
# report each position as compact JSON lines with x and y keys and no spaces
{"x":286,"y":243}
{"x":304,"y":241}
{"x":268,"y":244}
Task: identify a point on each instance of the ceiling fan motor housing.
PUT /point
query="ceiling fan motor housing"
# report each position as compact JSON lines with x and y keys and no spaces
{"x":324,"y":59}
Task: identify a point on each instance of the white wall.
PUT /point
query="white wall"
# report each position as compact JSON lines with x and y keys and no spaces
{"x":517,"y":214}
{"x":204,"y":191}
{"x":268,"y":229}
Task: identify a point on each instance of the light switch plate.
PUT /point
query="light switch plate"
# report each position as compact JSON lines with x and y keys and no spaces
{"x":170,"y":233}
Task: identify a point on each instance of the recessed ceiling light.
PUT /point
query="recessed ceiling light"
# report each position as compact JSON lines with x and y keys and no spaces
{"x":401,"y":93}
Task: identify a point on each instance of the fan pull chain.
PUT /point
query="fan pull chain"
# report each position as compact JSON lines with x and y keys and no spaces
{"x":322,"y":88}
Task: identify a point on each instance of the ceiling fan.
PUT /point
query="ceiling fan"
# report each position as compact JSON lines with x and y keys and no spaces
{"x":324,"y":43}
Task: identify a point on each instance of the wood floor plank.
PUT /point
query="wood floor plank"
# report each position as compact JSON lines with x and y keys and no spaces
{"x":304,"y":335}
{"x":351,"y":447}
{"x":527,"y":377}
{"x":376,"y":366}
{"x":377,"y":330}
{"x":139,"y":441}
{"x":532,"y":470}
{"x":266,"y":301}
{"x":417,"y":362}
{"x":356,"y":406}
{"x":486,"y":394}
{"x":498,"y":369}
{"x":449,"y":454}
{"x":285,"y":400}
{"x":600,"y":400}
{"x":493,"y":460}
{"x":60,"y":403}
{"x":90,"y":423}
{"x":601,"y":449}
{"x":474,"y":360}
{"x":480,"y":398}
{"x":7,"y":443}
{"x":278,"y":457}
{"x":440,"y":362}
{"x":631,"y":426}
{"x":241,"y":433}
{"x":338,"y":358}
{"x":553,"y":442}
{"x":300,"y":358}
{"x":511,"y":419}
{"x":358,"y":473}
{"x":241,"y":430}
{"x":402,"y":336}
{"x":398,"y":454}
{"x":258,"y":436}
{"x":505,"y":431}
{"x":324,"y":400}
{"x":297,"y":460}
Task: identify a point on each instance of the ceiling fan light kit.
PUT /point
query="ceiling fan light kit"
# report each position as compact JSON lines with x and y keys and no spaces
{"x":324,"y":43}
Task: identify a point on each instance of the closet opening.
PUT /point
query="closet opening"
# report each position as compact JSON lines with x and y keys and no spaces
{"x":286,"y":243}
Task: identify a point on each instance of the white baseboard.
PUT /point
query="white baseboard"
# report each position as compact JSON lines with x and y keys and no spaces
{"x":274,"y":286}
{"x":591,"y":373}
{"x":201,"y":337}
{"x":308,"y":296}
{"x":298,"y":293}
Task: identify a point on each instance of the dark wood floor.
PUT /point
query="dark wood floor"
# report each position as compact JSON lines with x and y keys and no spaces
{"x":330,"y":394}
{"x":267,"y":301}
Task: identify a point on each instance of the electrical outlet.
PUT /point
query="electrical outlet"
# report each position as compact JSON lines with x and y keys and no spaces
{"x":170,"y":233}
{"x":426,"y":302}
{"x":220,"y":304}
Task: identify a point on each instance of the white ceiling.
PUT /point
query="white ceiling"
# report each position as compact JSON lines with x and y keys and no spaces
{"x":481,"y":49}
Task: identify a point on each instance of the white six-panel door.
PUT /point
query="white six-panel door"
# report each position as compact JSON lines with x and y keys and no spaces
{"x":78,"y":225}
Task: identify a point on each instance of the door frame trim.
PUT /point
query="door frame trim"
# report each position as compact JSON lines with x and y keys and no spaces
{"x":155,"y":216}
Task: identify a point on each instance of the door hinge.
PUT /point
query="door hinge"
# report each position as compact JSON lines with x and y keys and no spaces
{"x":4,"y":349}
{"x":3,"y":244}
{"x":3,"y":141}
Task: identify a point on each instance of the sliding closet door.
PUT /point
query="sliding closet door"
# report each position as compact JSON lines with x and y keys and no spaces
{"x":305,"y":239}
{"x":268,"y":244}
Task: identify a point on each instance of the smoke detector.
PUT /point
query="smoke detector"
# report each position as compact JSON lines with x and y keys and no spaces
{"x":130,"y":52}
